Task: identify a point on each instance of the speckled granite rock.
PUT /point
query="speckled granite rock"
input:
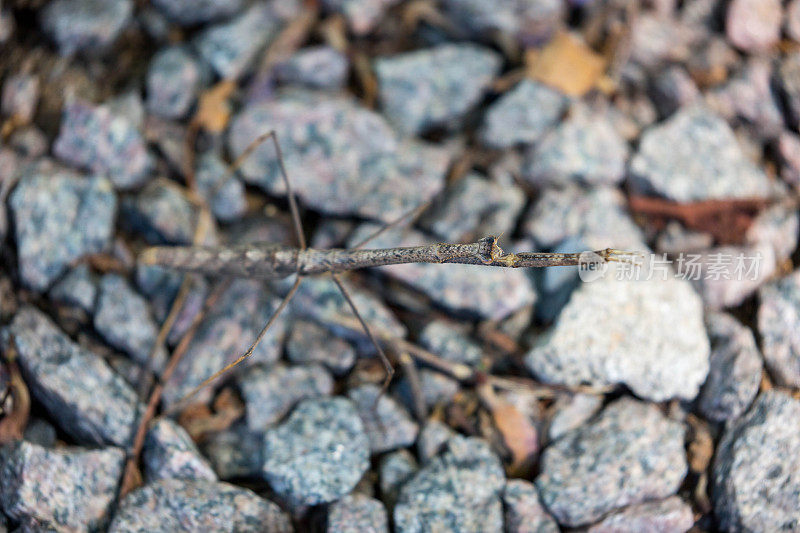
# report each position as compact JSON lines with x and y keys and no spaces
{"x":186,"y":506}
{"x":779,"y":326}
{"x":789,"y":82}
{"x":318,"y":67}
{"x":123,"y":319}
{"x":66,"y":489}
{"x":85,"y":25}
{"x":173,"y":82}
{"x":654,"y":341}
{"x":78,"y":287}
{"x":225,"y":194}
{"x":395,"y":468}
{"x":169,"y":453}
{"x":754,"y":25}
{"x":776,"y":226}
{"x":235,"y":452}
{"x":433,"y":436}
{"x":387,"y":423}
{"x":693,"y":156}
{"x":457,"y":491}
{"x":572,"y":412}
{"x":161,"y":213}
{"x":584,"y":148}
{"x":671,"y":514}
{"x":523,"y":510}
{"x":191,"y":12}
{"x":434,"y":87}
{"x":756,"y":477}
{"x":270,"y":393}
{"x":629,"y":454}
{"x":97,"y":139}
{"x":529,"y":21}
{"x":450,"y":342}
{"x":59,"y":217}
{"x":352,"y":164}
{"x":311,"y":343}
{"x":522,"y":115}
{"x":318,"y":454}
{"x":362,"y":15}
{"x":735,"y":369}
{"x":87,"y":399}
{"x":357,"y":512}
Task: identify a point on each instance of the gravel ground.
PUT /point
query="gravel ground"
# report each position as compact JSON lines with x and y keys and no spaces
{"x":661,"y":398}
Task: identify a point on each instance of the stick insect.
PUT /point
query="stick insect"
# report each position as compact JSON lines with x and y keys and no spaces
{"x":277,"y":261}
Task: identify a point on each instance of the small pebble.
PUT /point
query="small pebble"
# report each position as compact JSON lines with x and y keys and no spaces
{"x":316,"y":67}
{"x":41,"y":432}
{"x":673,"y":89}
{"x":531,"y":22}
{"x":123,"y":319}
{"x":87,"y":399}
{"x":524,"y":512}
{"x":77,"y":288}
{"x":311,"y":343}
{"x":224,"y":334}
{"x":395,"y":469}
{"x":432,"y":438}
{"x":161,"y":213}
{"x":387,"y":423}
{"x":671,"y":514}
{"x":522,"y":115}
{"x":735,"y":369}
{"x":192,"y":12}
{"x":169,"y":453}
{"x":435,"y":87}
{"x":362,"y":15}
{"x":584,"y":148}
{"x":270,"y":393}
{"x":694,"y":156}
{"x":173,"y":82}
{"x":59,"y":217}
{"x":197,"y":505}
{"x":788,"y":75}
{"x":94,"y":138}
{"x":793,"y":20}
{"x":457,"y":491}
{"x":636,"y":345}
{"x":445,"y":339}
{"x":629,"y":454}
{"x":779,"y":326}
{"x":357,"y":513}
{"x":787,"y":147}
{"x":87,"y":26}
{"x":754,"y":25}
{"x":20,"y":96}
{"x":777,"y":226}
{"x":224,"y":193}
{"x":573,"y":412}
{"x":318,"y":454}
{"x":235,"y":452}
{"x":65,"y":489}
{"x":230,"y":47}
{"x":756,"y":479}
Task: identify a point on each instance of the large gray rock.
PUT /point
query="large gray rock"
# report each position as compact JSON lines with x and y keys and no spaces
{"x":779,"y":326}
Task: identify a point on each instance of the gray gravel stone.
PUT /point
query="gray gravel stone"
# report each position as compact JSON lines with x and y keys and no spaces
{"x":235,"y":452}
{"x":78,"y":287}
{"x":59,"y":217}
{"x":316,"y":67}
{"x":457,"y":491}
{"x":671,"y":514}
{"x":556,"y":284}
{"x":434,"y":87}
{"x":789,"y":82}
{"x":672,"y":89}
{"x":779,"y":326}
{"x":654,"y":341}
{"x":530,"y":21}
{"x":522,"y":115}
{"x":387,"y":423}
{"x":777,"y":226}
{"x":793,"y":20}
{"x":270,"y":393}
{"x":756,"y":477}
{"x":169,"y":453}
{"x":446,"y":340}
{"x":226,"y":198}
{"x":473,"y":207}
{"x":124,"y":321}
{"x":20,"y":96}
{"x":524,"y":512}
{"x":629,"y":454}
{"x":572,"y":412}
{"x":433,"y":436}
{"x":85,"y":25}
{"x":358,"y":513}
{"x":97,"y":139}
{"x":87,"y":399}
{"x":463,"y":289}
{"x":693,"y":156}
{"x":394,"y":470}
{"x":191,"y":12}
{"x":318,"y":454}
{"x":66,"y":489}
{"x":198,"y":505}
{"x":230,"y":47}
{"x":225,"y":333}
{"x":342,"y":158}
{"x":754,"y":25}
{"x":173,"y":82}
{"x":584,"y":148}
{"x":362,"y":15}
{"x":735,"y":369}
{"x":311,"y":343}
{"x":161,"y":213}
{"x":598,"y":217}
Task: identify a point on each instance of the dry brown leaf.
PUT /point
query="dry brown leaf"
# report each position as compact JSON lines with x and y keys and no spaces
{"x":198,"y":420}
{"x":214,"y":110}
{"x":518,"y":432}
{"x":567,"y":64}
{"x":13,"y":423}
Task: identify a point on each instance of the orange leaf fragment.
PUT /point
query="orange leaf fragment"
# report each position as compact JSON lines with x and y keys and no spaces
{"x":567,"y":64}
{"x":213,"y":109}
